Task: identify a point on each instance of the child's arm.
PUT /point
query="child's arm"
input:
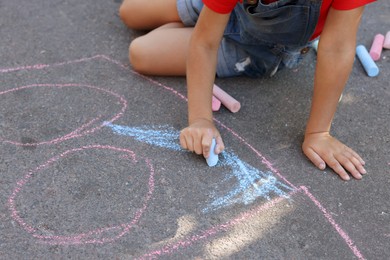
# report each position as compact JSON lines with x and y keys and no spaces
{"x":335,"y":56}
{"x":201,"y":69}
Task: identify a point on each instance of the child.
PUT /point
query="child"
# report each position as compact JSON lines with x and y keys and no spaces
{"x":233,"y":38}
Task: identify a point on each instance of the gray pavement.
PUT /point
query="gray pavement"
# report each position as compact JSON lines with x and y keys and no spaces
{"x":91,"y":168}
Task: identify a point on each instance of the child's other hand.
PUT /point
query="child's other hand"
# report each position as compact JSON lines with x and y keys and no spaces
{"x":197,"y":138}
{"x":322,"y":149}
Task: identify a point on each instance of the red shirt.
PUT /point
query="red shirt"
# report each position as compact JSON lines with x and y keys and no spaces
{"x":226,"y":6}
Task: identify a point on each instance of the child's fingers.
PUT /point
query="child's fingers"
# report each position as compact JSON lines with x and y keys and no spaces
{"x":348,"y":165}
{"x":315,"y":158}
{"x":336,"y":166}
{"x":359,"y":165}
{"x":353,"y":163}
{"x":329,"y":151}
{"x":357,"y":161}
{"x":183,"y":142}
{"x":220,"y":146}
{"x":206,"y":143}
{"x":357,"y":156}
{"x":331,"y":161}
{"x":198,"y":147}
{"x":186,"y":140}
{"x":199,"y":138}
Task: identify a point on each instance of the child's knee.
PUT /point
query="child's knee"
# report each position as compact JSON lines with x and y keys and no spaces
{"x":138,"y":55}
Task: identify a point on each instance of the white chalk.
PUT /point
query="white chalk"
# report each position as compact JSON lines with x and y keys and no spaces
{"x":212,"y":160}
{"x":386,"y":43}
{"x":215,"y":104}
{"x":377,"y":46}
{"x":228,"y":101}
{"x":367,"y":62}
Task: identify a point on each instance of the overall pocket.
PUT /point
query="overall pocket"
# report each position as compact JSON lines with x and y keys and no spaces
{"x":283,"y":22}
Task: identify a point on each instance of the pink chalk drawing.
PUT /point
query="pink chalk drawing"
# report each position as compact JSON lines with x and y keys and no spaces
{"x":97,"y":236}
{"x":90,"y":237}
{"x":84,"y":129}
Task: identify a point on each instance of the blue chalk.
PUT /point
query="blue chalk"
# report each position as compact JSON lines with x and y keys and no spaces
{"x":212,"y":160}
{"x":367,"y":62}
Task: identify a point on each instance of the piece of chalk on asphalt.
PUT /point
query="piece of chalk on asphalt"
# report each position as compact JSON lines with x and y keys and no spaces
{"x":212,"y":160}
{"x":228,"y":101}
{"x":315,"y":44}
{"x":377,"y":46}
{"x":386,"y":43}
{"x":367,"y":62}
{"x":215,"y":104}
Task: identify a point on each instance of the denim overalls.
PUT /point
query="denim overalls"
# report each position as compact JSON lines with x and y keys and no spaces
{"x":260,"y":39}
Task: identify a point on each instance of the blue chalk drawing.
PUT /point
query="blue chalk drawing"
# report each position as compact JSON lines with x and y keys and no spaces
{"x":161,"y":136}
{"x":252,"y":183}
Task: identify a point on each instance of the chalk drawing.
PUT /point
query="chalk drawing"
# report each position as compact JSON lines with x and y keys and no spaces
{"x":252,"y":183}
{"x":245,"y":216}
{"x":268,"y":181}
{"x":84,"y":129}
{"x":97,"y":236}
{"x":202,"y":235}
{"x":44,"y":66}
{"x":161,"y":136}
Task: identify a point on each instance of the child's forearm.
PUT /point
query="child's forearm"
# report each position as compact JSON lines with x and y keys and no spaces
{"x":335,"y":56}
{"x":200,"y":78}
{"x":332,"y":72}
{"x":336,"y":52}
{"x":201,"y":63}
{"x":200,"y":70}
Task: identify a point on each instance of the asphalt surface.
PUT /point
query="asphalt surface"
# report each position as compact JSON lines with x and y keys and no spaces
{"x":91,"y":168}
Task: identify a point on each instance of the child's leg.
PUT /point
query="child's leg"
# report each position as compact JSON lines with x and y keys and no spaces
{"x":162,"y":51}
{"x":148,"y":14}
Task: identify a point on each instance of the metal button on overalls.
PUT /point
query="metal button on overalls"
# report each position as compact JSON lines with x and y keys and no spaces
{"x":305,"y":50}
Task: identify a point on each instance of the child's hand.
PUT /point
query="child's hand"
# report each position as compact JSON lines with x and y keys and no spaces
{"x":322,"y":149}
{"x":197,"y":138}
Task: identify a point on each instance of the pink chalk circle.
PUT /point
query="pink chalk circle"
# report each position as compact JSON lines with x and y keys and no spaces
{"x":95,"y":236}
{"x":228,"y":101}
{"x":377,"y":46}
{"x":386,"y":43}
{"x":215,"y":104}
{"x":90,"y":126}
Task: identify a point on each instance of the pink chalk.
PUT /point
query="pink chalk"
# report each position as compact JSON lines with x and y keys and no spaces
{"x":376,"y":47}
{"x":386,"y":43}
{"x":216,"y":104}
{"x":228,"y":101}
